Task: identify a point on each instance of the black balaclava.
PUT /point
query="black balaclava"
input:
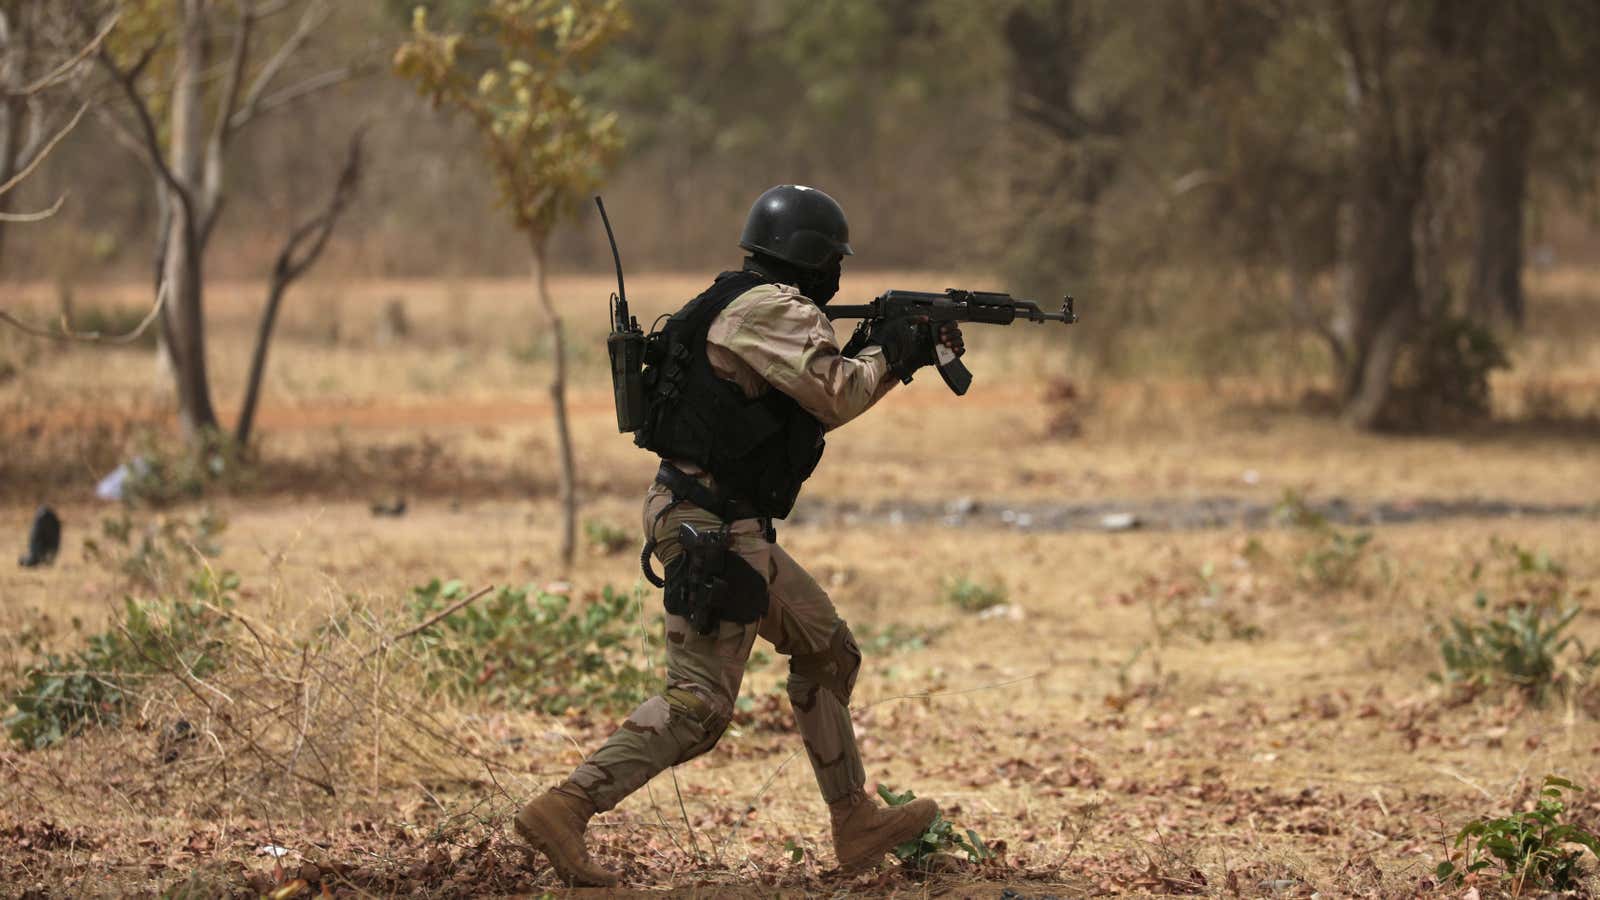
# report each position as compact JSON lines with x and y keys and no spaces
{"x":819,"y":285}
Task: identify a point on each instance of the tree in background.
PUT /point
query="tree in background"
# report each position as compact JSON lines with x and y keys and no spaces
{"x":548,"y":147}
{"x":1529,"y":68}
{"x":162,"y":63}
{"x":1069,"y":140}
{"x":1374,"y":156}
{"x":38,"y":58}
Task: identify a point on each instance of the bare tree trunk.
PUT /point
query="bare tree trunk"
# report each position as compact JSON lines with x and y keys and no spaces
{"x":1364,"y":409}
{"x":1501,"y":192}
{"x":258,"y":361}
{"x":14,"y":53}
{"x":299,"y":253}
{"x":558,"y":401}
{"x":184,"y":318}
{"x":1383,"y":303}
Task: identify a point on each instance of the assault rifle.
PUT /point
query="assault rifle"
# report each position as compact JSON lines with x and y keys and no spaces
{"x":954,"y":305}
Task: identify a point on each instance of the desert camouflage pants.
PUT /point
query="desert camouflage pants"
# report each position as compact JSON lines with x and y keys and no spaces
{"x":704,"y":672}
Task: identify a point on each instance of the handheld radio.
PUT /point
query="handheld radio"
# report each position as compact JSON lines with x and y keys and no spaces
{"x":625,"y":344}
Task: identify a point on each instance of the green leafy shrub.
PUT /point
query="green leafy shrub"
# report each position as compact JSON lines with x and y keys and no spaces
{"x":1443,"y":376}
{"x":529,"y":648}
{"x":1539,"y":849}
{"x":1335,"y":561}
{"x":940,"y":837}
{"x":1523,"y":645}
{"x":605,"y":538}
{"x":61,"y":695}
{"x":968,"y":595}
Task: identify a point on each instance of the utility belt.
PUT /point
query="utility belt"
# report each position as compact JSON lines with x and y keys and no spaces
{"x":707,"y":583}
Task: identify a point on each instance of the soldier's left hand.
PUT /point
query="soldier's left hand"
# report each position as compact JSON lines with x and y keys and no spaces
{"x":950,"y":336}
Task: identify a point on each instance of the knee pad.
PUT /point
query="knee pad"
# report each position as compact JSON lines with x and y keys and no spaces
{"x":706,"y":720}
{"x":834,"y":668}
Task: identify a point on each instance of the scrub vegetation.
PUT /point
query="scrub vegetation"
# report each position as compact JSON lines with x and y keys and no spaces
{"x":1276,"y":575}
{"x":1305,"y":701}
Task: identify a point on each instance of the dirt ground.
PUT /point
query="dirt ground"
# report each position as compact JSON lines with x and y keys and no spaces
{"x":1219,"y":709}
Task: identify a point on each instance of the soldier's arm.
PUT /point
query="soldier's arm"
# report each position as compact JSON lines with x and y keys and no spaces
{"x":787,"y":340}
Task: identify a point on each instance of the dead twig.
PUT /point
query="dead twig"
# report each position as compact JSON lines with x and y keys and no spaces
{"x":429,"y":622}
{"x":92,"y":337}
{"x":39,"y":158}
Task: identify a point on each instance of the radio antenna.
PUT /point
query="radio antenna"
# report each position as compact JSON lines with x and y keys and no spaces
{"x":619,"y":312}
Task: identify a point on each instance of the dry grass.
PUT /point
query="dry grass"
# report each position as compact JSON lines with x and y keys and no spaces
{"x":1155,"y":712}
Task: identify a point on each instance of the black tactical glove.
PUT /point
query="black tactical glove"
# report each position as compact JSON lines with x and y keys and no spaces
{"x":908,"y":344}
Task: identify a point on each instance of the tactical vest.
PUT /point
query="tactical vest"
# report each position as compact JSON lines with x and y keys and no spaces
{"x":758,"y":450}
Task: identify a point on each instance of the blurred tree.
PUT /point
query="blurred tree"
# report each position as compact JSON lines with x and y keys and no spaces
{"x":512,"y":73}
{"x":37,"y":58}
{"x":161,"y":63}
{"x":1071,"y":140}
{"x":1526,"y":66}
{"x":1296,"y":135}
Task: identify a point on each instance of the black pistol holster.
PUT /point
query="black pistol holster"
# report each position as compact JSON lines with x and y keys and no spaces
{"x":709,"y":584}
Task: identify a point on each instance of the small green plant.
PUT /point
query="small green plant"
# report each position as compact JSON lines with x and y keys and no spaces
{"x":1526,"y":575}
{"x":156,"y":553}
{"x":1539,"y":849}
{"x":529,"y":648}
{"x":1333,"y":557}
{"x":894,"y":638}
{"x":972,"y":596}
{"x":794,"y":851}
{"x":1524,"y":645}
{"x":940,"y":837}
{"x":62,"y":695}
{"x":605,"y":538}
{"x":1334,"y":562}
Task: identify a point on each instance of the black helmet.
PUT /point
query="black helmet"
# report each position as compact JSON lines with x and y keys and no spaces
{"x":799,"y":225}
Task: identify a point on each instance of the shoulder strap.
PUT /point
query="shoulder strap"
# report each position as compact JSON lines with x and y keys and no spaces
{"x":714,"y":299}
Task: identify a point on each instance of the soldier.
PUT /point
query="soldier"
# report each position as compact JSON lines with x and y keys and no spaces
{"x":748,"y":379}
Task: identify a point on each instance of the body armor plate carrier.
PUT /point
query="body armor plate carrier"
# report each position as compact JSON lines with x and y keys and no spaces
{"x":759,"y":450}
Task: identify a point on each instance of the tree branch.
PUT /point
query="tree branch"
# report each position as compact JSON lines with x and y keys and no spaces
{"x":300,"y":251}
{"x":311,"y":19}
{"x":38,"y":216}
{"x":91,"y":337}
{"x":323,"y":81}
{"x":216,"y":144}
{"x":59,"y":73}
{"x":150,"y":138}
{"x":317,"y":230}
{"x":48,"y":147}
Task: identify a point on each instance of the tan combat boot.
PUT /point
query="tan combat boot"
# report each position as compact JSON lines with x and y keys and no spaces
{"x":554,"y":823}
{"x":864,"y":831}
